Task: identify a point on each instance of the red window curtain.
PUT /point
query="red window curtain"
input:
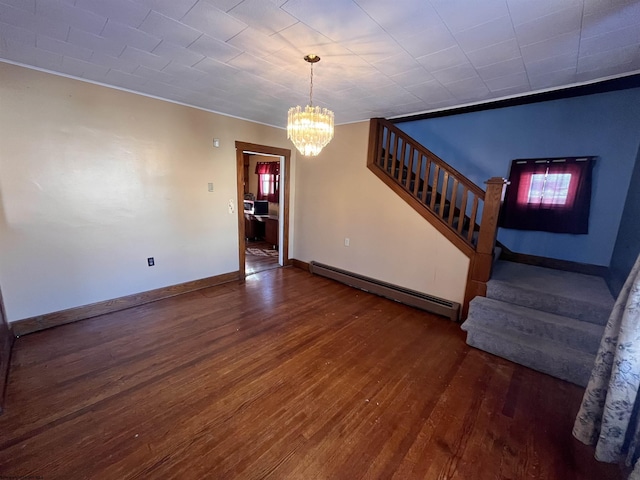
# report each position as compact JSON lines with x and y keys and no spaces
{"x":268,"y":181}
{"x":549,"y":195}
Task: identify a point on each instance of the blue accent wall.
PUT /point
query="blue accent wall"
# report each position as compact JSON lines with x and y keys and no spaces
{"x":627,"y":245}
{"x":483,"y":144}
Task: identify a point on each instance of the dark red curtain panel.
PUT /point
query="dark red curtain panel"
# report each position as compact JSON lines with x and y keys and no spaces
{"x":268,"y":168}
{"x":268,"y":181}
{"x":549,"y":195}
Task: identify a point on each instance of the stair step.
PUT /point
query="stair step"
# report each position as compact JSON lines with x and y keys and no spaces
{"x":497,"y":250}
{"x":575,"y":295}
{"x":539,"y":354}
{"x":491,"y":314}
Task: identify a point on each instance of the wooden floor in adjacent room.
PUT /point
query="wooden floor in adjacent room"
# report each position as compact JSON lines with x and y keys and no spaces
{"x":260,"y":256}
{"x":288,"y":376}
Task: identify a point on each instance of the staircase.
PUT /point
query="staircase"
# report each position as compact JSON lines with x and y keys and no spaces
{"x":548,"y":320}
{"x":464,"y":213}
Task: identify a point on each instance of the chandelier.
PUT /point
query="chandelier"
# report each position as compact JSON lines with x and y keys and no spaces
{"x":310,"y":129}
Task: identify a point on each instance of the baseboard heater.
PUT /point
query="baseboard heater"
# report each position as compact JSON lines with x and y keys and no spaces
{"x":403,"y":295}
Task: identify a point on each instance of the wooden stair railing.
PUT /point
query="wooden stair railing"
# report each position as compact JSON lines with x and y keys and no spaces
{"x":457,"y":207}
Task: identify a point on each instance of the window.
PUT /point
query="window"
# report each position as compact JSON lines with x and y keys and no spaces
{"x":268,"y":181}
{"x":268,"y":184}
{"x":549,"y":188}
{"x":551,"y":195}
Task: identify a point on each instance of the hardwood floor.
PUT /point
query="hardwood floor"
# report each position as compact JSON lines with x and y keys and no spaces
{"x":288,"y":376}
{"x":257,"y":263}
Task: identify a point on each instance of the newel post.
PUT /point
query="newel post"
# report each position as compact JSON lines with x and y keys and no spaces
{"x":373,"y":153}
{"x":482,"y":261}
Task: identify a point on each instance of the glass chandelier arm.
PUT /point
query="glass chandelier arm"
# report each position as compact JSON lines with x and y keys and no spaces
{"x":310,"y":129}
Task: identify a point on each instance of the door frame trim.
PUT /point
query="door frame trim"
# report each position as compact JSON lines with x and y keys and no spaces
{"x":7,"y":339}
{"x":241,"y":148}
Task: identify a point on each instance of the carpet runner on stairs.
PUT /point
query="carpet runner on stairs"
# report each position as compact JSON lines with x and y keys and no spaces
{"x":548,"y":320}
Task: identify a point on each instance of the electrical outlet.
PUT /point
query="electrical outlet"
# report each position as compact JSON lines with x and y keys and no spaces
{"x":231,"y":207}
{"x":346,"y":241}
{"x":151,"y":261}
{"x":210,"y":186}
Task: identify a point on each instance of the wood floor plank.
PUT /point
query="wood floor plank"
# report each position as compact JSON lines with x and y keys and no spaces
{"x":286,"y":376}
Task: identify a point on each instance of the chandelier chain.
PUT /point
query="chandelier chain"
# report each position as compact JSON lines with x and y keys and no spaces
{"x":311,"y":88}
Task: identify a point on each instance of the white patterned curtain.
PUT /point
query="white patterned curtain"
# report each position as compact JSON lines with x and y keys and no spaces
{"x":609,"y":415}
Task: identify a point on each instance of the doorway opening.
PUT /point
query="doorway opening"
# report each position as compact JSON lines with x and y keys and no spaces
{"x":263,"y":235}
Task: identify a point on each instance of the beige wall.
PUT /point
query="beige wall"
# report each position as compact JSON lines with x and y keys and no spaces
{"x":338,"y":197}
{"x":95,"y":180}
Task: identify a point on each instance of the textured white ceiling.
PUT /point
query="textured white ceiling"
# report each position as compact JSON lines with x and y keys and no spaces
{"x":380,"y":58}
